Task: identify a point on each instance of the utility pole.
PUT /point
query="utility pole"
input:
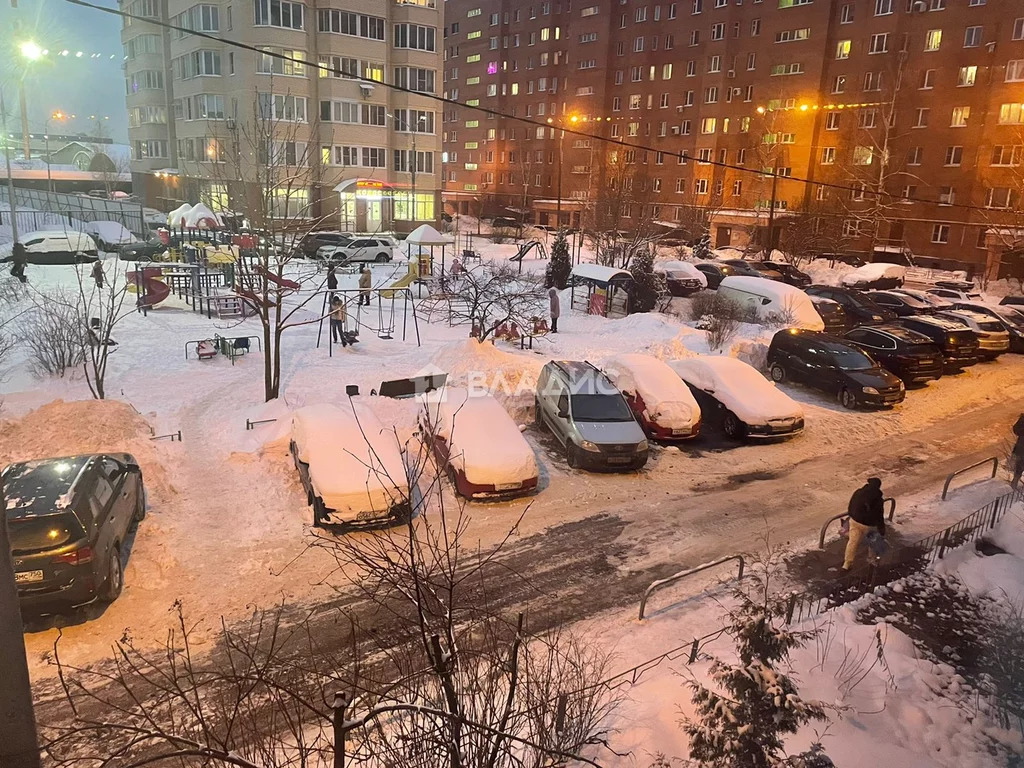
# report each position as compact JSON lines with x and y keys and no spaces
{"x":10,"y":175}
{"x":19,"y":747}
{"x":26,"y":139}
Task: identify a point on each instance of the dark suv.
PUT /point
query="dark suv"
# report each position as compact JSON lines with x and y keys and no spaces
{"x":903,"y":304}
{"x":314,"y":241}
{"x":68,"y":519}
{"x":790,"y":274}
{"x":910,"y":355}
{"x":833,"y":365}
{"x":859,"y":307}
{"x":958,"y":343}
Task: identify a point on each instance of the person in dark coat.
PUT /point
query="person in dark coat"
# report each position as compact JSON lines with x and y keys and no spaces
{"x":97,"y":274}
{"x":332,"y":279}
{"x":867,"y":513}
{"x":1017,"y":454}
{"x":555,"y":307}
{"x":19,"y":259}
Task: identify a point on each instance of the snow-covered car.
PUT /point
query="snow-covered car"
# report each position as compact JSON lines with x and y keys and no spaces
{"x":935,"y":302}
{"x":772,"y":300}
{"x":661,"y":402}
{"x":743,"y":402}
{"x":350,"y":465}
{"x":57,"y":246}
{"x":681,"y":277}
{"x":109,"y":235}
{"x":479,"y":445}
{"x":954,"y":294}
{"x":993,"y":338}
{"x":877,"y":275}
{"x":362,"y":249}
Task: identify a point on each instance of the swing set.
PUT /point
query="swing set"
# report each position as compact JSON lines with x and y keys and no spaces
{"x":386,"y":299}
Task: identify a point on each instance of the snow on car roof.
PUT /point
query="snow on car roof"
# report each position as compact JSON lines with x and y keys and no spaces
{"x":483,"y":440}
{"x":740,"y":387}
{"x":788,"y":298}
{"x":874,"y":271}
{"x":354,"y":462}
{"x":110,"y":231}
{"x":683,"y":269}
{"x":944,"y":323}
{"x":668,"y":401}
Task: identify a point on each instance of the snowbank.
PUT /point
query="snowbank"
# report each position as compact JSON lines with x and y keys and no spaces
{"x":176,"y":218}
{"x":355,"y":464}
{"x":668,"y":402}
{"x":871,"y":272}
{"x":110,"y":232}
{"x":742,"y":390}
{"x":823,"y":273}
{"x":483,"y":440}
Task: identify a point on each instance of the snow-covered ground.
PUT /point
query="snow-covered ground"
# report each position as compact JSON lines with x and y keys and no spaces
{"x":228,"y":521}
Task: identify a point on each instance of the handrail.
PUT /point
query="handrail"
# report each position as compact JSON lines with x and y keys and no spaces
{"x":841,"y":515}
{"x":949,"y":478}
{"x":683,"y":574}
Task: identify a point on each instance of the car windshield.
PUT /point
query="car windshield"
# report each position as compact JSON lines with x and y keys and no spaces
{"x":847,"y":358}
{"x":600,"y":408}
{"x":35,"y":533}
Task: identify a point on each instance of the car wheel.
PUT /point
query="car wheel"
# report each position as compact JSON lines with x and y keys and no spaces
{"x":571,"y":456}
{"x":846,"y":399}
{"x":115,"y":577}
{"x":732,"y":426}
{"x":140,"y":507}
{"x":382,"y":258}
{"x":777,"y":372}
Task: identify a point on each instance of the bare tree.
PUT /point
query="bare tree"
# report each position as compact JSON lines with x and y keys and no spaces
{"x":493,"y":295}
{"x":619,"y":218}
{"x":102,"y":305}
{"x":52,"y":330}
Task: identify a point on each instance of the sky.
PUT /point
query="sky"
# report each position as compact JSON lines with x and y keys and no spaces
{"x":84,"y":87}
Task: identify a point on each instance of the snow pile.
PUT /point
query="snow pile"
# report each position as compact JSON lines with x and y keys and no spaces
{"x":822,"y":272}
{"x":742,"y":390}
{"x":667,"y":401}
{"x":510,"y":376}
{"x":355,"y":464}
{"x":201,"y":217}
{"x":871,"y":272}
{"x":84,"y":426}
{"x":110,"y":232}
{"x":772,"y":300}
{"x":176,"y":218}
{"x":483,"y":441}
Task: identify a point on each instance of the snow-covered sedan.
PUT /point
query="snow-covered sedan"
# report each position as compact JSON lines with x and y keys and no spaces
{"x":350,"y":465}
{"x":741,"y":400}
{"x":478,"y":445}
{"x":663,"y":405}
{"x":878,"y":275}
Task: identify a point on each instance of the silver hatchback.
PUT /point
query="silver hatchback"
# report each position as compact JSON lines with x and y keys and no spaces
{"x":590,"y":417}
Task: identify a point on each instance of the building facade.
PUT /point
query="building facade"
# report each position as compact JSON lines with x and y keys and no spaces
{"x":865,"y":125}
{"x":306,"y":128}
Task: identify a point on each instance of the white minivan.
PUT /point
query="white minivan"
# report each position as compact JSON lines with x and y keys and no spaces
{"x":59,"y":246}
{"x":771,"y":300}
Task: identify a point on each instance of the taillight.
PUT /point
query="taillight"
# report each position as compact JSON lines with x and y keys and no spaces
{"x":80,"y":556}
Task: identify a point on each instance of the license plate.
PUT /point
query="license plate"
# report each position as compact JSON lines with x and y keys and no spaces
{"x":891,"y":398}
{"x":25,"y":577}
{"x":681,"y":431}
{"x":619,"y":459}
{"x":507,"y":486}
{"x":367,"y":515}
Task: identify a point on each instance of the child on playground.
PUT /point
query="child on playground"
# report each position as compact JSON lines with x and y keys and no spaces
{"x":339,"y":316}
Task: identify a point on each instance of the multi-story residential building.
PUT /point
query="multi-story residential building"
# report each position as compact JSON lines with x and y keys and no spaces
{"x":859,"y":126}
{"x":310,"y":124}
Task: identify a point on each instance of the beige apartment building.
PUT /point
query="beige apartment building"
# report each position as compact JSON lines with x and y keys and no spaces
{"x":318,"y":133}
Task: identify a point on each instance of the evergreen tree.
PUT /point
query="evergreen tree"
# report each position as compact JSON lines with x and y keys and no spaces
{"x":557,"y":273}
{"x":647,"y":286}
{"x":702,"y":250}
{"x":741,"y":723}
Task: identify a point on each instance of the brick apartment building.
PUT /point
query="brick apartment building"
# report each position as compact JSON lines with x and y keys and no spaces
{"x":827,"y":103}
{"x":231,"y":127}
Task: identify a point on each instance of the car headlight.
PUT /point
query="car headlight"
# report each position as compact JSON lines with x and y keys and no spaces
{"x":876,"y":317}
{"x":641,"y":446}
{"x":586,"y":445}
{"x":870,"y":391}
{"x":902,"y":385}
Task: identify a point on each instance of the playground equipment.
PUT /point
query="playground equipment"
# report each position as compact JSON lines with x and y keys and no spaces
{"x":526,"y":247}
{"x":232,"y":347}
{"x":420,"y":268}
{"x":386,"y":300}
{"x":149,"y":285}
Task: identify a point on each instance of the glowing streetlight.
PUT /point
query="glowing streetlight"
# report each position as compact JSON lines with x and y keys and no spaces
{"x":30,"y":50}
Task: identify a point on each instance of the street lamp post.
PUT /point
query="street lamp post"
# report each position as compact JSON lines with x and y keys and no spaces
{"x":561,"y":136}
{"x":10,"y":176}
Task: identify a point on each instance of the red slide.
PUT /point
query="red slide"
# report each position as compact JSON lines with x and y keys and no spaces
{"x":290,"y":285}
{"x":152,"y":290}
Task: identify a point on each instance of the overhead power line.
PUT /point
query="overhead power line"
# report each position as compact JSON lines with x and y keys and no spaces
{"x":528,"y":121}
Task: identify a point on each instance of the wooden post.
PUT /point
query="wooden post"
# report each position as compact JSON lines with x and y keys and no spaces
{"x":338,"y":721}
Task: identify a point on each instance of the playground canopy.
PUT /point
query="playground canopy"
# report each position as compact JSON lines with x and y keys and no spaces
{"x":599,"y":275}
{"x":427,"y":235}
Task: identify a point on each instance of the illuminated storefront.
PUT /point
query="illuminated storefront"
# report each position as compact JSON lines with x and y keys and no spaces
{"x":369,"y":205}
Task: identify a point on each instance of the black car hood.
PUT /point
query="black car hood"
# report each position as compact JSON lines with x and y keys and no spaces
{"x":873,"y":377}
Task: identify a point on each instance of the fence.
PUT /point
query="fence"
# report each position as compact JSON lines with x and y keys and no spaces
{"x":949,"y":478}
{"x":824,"y":528}
{"x":73,"y":210}
{"x":689,"y":572}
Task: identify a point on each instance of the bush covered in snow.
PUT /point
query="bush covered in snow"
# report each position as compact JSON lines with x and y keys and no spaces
{"x":647,"y":286}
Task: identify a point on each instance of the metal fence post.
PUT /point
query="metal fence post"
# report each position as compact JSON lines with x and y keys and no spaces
{"x":338,"y":721}
{"x":694,"y":650}
{"x":943,"y":543}
{"x":790,"y":607}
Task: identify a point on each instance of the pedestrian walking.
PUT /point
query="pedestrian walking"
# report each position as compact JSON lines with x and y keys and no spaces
{"x":332,"y":279}
{"x":555,"y":307}
{"x":867,"y":515}
{"x":339,"y":317}
{"x":364,"y":286}
{"x":1017,"y":454}
{"x":97,"y":274}
{"x":19,"y":258}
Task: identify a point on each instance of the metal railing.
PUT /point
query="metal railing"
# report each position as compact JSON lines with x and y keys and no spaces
{"x":250,"y":424}
{"x":689,"y":572}
{"x":949,"y":478}
{"x":841,"y":515}
{"x":172,"y":436}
